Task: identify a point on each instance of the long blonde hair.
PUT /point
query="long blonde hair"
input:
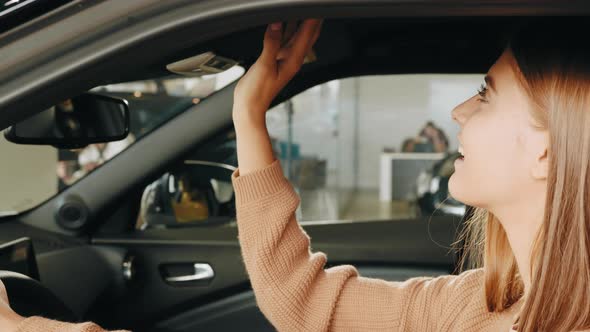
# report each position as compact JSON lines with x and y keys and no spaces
{"x":554,"y":69}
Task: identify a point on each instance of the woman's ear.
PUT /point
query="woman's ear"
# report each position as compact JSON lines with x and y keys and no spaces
{"x":540,"y":168}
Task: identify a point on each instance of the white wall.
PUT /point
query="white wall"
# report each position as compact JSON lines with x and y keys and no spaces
{"x":28,"y":175}
{"x":346,"y":127}
{"x":315,"y":122}
{"x":391,"y":109}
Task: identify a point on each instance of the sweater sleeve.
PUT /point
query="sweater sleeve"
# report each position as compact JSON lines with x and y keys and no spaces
{"x":40,"y":324}
{"x":294,"y":290}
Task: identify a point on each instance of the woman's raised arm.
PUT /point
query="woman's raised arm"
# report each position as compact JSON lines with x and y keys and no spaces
{"x":292,"y":287}
{"x":254,"y":93}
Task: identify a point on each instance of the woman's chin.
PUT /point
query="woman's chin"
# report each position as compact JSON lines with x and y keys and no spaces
{"x":462,"y":194}
{"x":454,"y":189}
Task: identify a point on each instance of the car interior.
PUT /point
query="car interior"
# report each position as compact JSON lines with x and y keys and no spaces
{"x":92,"y":253}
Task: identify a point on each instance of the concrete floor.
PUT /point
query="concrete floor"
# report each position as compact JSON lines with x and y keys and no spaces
{"x":327,"y":204}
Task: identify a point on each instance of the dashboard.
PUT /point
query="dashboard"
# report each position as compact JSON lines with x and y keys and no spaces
{"x":19,"y":256}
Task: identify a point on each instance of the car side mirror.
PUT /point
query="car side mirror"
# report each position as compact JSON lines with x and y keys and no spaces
{"x":75,"y":123}
{"x":197,"y":193}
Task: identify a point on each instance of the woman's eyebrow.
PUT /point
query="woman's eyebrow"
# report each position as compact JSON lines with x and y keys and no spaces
{"x":490,"y":82}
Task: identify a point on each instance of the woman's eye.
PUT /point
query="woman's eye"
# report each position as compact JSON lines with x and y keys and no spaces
{"x":482,"y":93}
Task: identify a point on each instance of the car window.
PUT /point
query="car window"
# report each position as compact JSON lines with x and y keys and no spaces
{"x":370,"y":148}
{"x":37,"y":173}
{"x":365,"y":148}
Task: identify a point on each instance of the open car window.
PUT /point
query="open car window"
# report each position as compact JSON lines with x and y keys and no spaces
{"x":39,"y":172}
{"x":373,"y":147}
{"x":355,"y":149}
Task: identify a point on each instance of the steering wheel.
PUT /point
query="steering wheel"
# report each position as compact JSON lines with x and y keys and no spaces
{"x":29,"y":298}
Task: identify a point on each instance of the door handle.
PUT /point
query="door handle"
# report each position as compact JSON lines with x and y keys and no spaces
{"x":202,"y":272}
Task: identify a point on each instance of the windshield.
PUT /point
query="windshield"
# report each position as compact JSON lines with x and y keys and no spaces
{"x":34,"y":174}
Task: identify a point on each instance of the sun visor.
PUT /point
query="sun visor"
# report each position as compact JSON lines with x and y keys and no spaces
{"x":203,"y":64}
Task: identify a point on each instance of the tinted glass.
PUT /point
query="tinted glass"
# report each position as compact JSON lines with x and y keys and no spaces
{"x":32,"y":174}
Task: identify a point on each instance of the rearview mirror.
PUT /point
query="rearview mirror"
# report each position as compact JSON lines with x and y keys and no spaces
{"x":75,"y":123}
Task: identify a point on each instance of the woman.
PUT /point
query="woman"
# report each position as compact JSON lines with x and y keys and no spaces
{"x":525,"y":137}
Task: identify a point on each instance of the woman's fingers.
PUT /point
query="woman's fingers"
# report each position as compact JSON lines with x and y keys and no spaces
{"x":303,"y":38}
{"x":313,"y":40}
{"x":272,"y":43}
{"x":316,"y":35}
{"x":269,"y":75}
{"x":287,"y":40}
{"x":288,"y":34}
{"x":288,"y":53}
{"x":302,"y":42}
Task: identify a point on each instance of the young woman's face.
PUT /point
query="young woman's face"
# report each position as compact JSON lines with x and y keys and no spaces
{"x":499,"y":142}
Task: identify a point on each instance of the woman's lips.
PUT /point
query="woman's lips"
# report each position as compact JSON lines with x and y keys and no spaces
{"x":459,"y":160}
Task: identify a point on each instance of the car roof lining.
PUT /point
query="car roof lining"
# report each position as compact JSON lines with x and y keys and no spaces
{"x":361,"y":47}
{"x":389,"y":45}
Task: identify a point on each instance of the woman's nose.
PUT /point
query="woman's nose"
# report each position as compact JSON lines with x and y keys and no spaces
{"x":461,"y":112}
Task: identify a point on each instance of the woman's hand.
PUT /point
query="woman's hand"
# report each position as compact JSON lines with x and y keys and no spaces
{"x":275,"y":67}
{"x":9,"y":319}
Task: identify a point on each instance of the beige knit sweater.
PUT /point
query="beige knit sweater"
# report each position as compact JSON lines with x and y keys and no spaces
{"x":296,"y":292}
{"x":38,"y":324}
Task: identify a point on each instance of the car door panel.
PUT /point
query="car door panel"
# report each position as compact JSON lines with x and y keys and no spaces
{"x":393,"y":250}
{"x":89,"y":278}
{"x":240,"y":311}
{"x":80,"y":275}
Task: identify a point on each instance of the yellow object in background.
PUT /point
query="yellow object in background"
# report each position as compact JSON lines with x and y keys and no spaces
{"x":192,"y":206}
{"x":189,"y":210}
